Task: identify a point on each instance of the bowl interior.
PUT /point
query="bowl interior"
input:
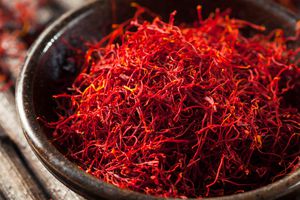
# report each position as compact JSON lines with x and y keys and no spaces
{"x":55,"y":68}
{"x":50,"y":68}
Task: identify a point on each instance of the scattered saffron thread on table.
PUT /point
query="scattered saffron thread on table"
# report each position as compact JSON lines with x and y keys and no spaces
{"x":184,"y":111}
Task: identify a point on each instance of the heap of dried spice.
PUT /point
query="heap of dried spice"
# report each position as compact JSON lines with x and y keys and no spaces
{"x":185,"y":111}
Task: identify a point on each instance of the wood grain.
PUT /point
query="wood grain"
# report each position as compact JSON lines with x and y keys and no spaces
{"x":11,"y":125}
{"x":15,"y":180}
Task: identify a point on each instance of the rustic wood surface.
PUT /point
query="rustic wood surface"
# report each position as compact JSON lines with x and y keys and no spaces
{"x":10,"y":123}
{"x":15,"y":175}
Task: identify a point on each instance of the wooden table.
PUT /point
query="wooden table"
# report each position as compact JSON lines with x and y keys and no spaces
{"x":22,"y":174}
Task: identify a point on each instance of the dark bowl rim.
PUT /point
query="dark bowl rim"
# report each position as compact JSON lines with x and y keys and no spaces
{"x":71,"y":175}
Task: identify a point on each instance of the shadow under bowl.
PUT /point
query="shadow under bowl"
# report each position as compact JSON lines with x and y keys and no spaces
{"x":46,"y":72}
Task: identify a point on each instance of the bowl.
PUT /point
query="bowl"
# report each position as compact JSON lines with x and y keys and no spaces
{"x":46,"y":72}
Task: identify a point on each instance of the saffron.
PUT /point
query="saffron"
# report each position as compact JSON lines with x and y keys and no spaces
{"x":184,"y":111}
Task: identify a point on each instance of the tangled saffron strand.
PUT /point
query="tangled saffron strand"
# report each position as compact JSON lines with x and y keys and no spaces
{"x":177,"y":111}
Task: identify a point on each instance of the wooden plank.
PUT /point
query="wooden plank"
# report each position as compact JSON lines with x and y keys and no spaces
{"x":15,"y":180}
{"x":11,"y":125}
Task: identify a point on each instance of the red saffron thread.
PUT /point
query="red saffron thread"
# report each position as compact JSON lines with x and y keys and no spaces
{"x":179,"y":111}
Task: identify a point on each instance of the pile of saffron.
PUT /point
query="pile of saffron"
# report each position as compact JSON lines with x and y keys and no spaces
{"x":184,"y":111}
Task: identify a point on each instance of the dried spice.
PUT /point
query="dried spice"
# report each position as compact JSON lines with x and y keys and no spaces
{"x":184,"y":111}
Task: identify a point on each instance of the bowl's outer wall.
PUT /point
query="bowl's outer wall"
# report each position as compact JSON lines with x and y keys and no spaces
{"x":46,"y":72}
